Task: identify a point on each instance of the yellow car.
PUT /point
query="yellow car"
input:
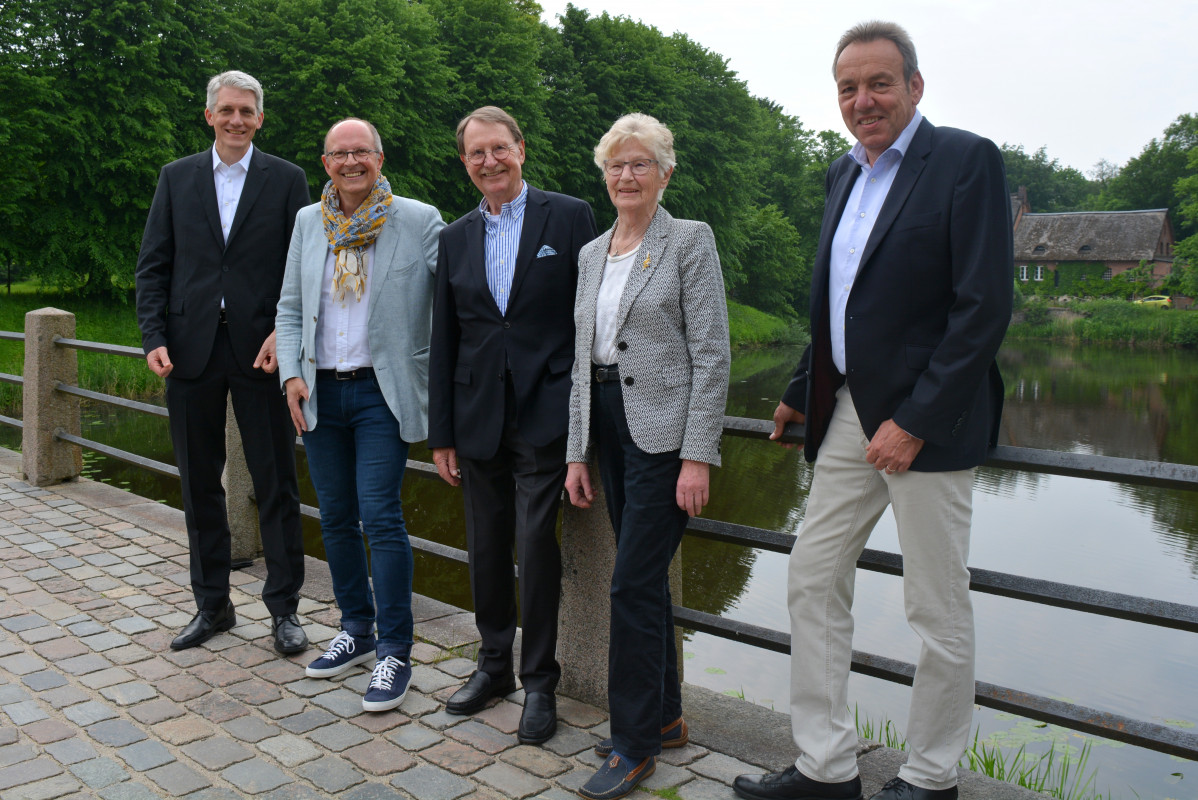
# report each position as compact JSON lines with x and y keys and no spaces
{"x":1156,"y":301}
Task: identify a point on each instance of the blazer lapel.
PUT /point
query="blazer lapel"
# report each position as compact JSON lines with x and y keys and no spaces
{"x":536,"y":215}
{"x":384,"y":253}
{"x":838,"y":198}
{"x":206,"y":187}
{"x":647,"y":259}
{"x":476,"y":254}
{"x":255,"y":179}
{"x":316,"y":253}
{"x":904,"y":181}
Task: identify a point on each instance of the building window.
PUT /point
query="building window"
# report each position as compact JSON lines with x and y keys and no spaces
{"x":1085,"y":248}
{"x":1023,"y":273}
{"x":1107,"y":275}
{"x":1040,"y":250}
{"x":1039,"y":272}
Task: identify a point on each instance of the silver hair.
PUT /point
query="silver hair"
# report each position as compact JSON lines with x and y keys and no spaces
{"x":234,"y":79}
{"x":374,"y":132}
{"x":873,"y":30}
{"x":646,"y":130}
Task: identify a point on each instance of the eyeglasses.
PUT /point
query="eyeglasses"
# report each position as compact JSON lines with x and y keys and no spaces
{"x":500,"y":152}
{"x":639,"y":167}
{"x":340,"y":156}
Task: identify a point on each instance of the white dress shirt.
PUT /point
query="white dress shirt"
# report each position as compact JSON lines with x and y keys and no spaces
{"x":607,"y":307}
{"x":230,"y":180}
{"x":856,"y":224}
{"x":342,"y":339}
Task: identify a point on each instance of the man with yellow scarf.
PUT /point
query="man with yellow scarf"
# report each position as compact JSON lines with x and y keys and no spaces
{"x":354,"y":320}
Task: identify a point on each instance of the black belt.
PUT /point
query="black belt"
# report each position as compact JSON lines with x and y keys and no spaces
{"x":605,"y":372}
{"x":350,"y":375}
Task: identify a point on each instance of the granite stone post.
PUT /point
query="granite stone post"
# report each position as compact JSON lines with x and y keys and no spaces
{"x":44,"y":459}
{"x":240,"y":503}
{"x":584,"y":622}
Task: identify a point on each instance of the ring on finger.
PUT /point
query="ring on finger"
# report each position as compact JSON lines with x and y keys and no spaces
{"x":890,"y":470}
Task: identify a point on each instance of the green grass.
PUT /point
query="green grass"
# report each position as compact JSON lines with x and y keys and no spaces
{"x":1108,"y":322}
{"x":748,"y":327}
{"x":1057,"y":773}
{"x":96,"y":320}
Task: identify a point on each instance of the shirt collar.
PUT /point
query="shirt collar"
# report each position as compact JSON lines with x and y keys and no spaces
{"x":244,"y":163}
{"x":900,"y":145}
{"x":516,"y":205}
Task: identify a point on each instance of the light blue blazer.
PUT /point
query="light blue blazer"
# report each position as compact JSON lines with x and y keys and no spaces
{"x":400,"y":315}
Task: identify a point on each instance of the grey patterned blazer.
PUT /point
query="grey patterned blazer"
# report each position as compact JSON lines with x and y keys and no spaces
{"x":673,"y":342}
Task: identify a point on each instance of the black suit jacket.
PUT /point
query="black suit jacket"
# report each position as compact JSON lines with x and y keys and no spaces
{"x":473,"y":344}
{"x":929,"y":307}
{"x":185,"y":266}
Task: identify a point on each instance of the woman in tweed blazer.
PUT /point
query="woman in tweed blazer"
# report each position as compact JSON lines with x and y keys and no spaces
{"x":650,"y":383}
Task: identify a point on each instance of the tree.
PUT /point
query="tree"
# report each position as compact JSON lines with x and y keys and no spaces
{"x":1050,"y":186}
{"x":1150,"y":179}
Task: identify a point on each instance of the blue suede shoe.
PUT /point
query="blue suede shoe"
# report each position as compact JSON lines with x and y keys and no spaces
{"x":388,"y":685}
{"x":344,"y":652}
{"x":617,"y":777}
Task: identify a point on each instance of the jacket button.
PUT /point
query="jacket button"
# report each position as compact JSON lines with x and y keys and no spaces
{"x":507,"y":325}
{"x":311,"y":360}
{"x":622,"y":346}
{"x":224,"y":268}
{"x":313,"y":319}
{"x":628,"y":381}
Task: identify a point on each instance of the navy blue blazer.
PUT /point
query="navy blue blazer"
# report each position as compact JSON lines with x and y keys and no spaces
{"x":929,"y":307}
{"x":473,"y":345}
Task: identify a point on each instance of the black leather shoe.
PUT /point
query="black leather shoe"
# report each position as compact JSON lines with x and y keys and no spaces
{"x":289,"y":636}
{"x":538,"y":721}
{"x":790,"y":784}
{"x":480,"y":688}
{"x":204,"y":625}
{"x":899,"y":789}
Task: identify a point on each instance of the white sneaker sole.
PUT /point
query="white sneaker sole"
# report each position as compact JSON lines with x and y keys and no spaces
{"x":386,"y":705}
{"x":331,"y":672}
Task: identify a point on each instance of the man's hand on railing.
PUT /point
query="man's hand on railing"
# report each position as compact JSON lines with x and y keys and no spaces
{"x":266,"y":360}
{"x":782,"y":415}
{"x":297,"y":390}
{"x":578,"y":484}
{"x":159,"y":361}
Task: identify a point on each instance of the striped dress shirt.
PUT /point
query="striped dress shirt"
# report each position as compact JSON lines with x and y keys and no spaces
{"x":502,"y":242}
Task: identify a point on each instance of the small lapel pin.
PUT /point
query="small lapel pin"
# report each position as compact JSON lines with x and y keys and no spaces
{"x":646,"y":264}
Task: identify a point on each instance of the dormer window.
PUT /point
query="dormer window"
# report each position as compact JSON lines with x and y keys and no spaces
{"x":1040,"y":249}
{"x":1085,"y":248}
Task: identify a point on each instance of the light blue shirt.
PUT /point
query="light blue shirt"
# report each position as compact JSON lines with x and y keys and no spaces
{"x":501,"y":243}
{"x":856,"y":224}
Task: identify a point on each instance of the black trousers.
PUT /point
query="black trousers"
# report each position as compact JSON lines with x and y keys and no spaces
{"x":643,"y":689}
{"x":197,"y":409}
{"x":512,"y":500}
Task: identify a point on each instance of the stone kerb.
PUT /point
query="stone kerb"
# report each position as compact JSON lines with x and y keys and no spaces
{"x":44,"y":459}
{"x":584,"y":622}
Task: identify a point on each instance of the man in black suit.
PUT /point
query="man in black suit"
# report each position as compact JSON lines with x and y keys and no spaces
{"x":900,"y":398}
{"x":208,"y":279}
{"x":499,"y":386}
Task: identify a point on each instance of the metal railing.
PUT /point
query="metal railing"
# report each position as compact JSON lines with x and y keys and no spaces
{"x":1178,"y":616}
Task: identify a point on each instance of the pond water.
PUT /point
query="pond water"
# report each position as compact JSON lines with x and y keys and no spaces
{"x":1136,"y":540}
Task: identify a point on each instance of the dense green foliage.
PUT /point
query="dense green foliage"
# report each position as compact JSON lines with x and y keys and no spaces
{"x":1105,"y":321}
{"x":96,"y":97}
{"x":1050,"y":186}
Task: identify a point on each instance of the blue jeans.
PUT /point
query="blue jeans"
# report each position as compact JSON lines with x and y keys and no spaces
{"x":356,"y":460}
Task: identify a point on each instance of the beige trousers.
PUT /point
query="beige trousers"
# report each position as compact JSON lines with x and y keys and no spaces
{"x":933,"y":511}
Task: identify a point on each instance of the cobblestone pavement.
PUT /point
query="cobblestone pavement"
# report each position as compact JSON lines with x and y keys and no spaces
{"x":94,"y":703}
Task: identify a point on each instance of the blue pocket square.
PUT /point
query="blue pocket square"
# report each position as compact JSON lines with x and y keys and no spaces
{"x":546,"y":250}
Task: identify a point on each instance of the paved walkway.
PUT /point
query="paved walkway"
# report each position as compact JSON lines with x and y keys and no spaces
{"x":94,"y":704}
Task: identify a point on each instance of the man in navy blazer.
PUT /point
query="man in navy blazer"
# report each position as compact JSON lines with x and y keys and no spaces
{"x":208,"y":277}
{"x":900,"y":398}
{"x":499,"y":387}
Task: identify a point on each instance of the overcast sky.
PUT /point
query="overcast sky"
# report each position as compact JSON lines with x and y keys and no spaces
{"x":1088,"y":80}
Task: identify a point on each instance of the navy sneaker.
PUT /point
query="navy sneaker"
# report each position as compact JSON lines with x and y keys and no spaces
{"x":344,"y":652}
{"x":388,"y":685}
{"x":617,"y":777}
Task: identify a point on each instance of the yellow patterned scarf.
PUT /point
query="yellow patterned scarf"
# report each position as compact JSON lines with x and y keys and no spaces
{"x":350,"y":237}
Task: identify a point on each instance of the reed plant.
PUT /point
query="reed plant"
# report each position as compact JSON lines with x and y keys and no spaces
{"x":1108,"y":322}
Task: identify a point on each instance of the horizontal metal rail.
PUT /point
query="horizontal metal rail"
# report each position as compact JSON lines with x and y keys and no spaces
{"x":11,"y":422}
{"x":100,"y":347}
{"x":111,"y":399}
{"x":1050,"y":593}
{"x":1149,"y":735}
{"x":161,"y":467}
{"x":7,"y":378}
{"x":12,"y":336}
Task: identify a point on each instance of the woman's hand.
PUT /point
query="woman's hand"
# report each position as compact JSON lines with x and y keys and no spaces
{"x":578,"y":484}
{"x":692,"y":487}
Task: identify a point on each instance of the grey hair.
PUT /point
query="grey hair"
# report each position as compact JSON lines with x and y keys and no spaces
{"x":873,"y":30}
{"x":644,"y":129}
{"x":374,"y":132}
{"x":234,"y":79}
{"x":490,"y":115}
